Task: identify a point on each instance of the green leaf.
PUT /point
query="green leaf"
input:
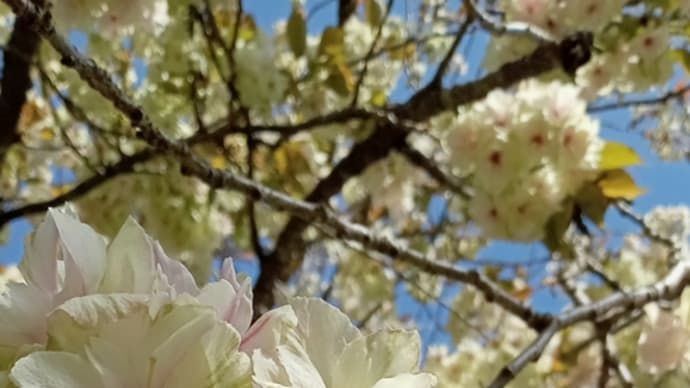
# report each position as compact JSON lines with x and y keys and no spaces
{"x":618,"y":155}
{"x":297,"y":31}
{"x":378,"y":99}
{"x":683,"y":57}
{"x":618,"y":184}
{"x":593,"y":203}
{"x":373,"y":12}
{"x":332,"y":44}
{"x":555,"y":228}
{"x":248,"y":28}
{"x":340,"y":79}
{"x":399,"y":52}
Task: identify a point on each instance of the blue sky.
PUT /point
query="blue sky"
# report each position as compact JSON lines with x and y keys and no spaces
{"x":667,"y":183}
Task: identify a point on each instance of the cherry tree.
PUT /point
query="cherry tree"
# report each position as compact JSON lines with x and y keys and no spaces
{"x":361,"y":154}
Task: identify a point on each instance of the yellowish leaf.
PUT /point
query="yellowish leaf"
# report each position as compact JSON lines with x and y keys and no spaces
{"x":340,"y":79}
{"x":618,"y":155}
{"x":373,"y":12}
{"x":60,"y":189}
{"x":556,"y":227}
{"x":682,"y":56}
{"x":378,"y":98}
{"x":593,"y":203}
{"x":47,"y":134}
{"x":492,"y":271}
{"x":281,"y":160}
{"x":248,"y":28}
{"x":618,"y":184}
{"x":332,"y":43}
{"x":32,"y":112}
{"x":219,"y":162}
{"x":558,"y":366}
{"x":399,"y":53}
{"x":297,"y":31}
{"x":523,"y":294}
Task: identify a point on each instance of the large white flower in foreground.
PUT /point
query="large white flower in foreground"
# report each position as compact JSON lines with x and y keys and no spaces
{"x":324,"y":349}
{"x":123,"y":314}
{"x":66,"y":259}
{"x":118,"y":341}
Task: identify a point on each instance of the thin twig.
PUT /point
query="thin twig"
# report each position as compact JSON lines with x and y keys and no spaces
{"x":671,"y":95}
{"x":370,"y":52}
{"x":513,"y":28}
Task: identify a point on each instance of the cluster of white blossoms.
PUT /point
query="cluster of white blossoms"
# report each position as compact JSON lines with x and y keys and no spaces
{"x":632,"y":60}
{"x":670,"y":138}
{"x":525,"y":153}
{"x":663,"y":341}
{"x":91,"y":314}
{"x":259,"y":83}
{"x":634,"y":65}
{"x":557,"y":17}
{"x":670,"y":222}
{"x":109,"y":16}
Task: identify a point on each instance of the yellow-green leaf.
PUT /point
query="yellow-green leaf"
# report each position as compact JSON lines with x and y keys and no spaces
{"x":248,"y":28}
{"x":280,"y":158}
{"x":618,"y":155}
{"x":593,"y":203}
{"x":219,"y":162}
{"x":340,"y":79}
{"x":373,"y":12}
{"x":555,"y":228}
{"x":682,"y":56}
{"x":332,"y":43}
{"x":618,"y":184}
{"x":378,"y":98}
{"x":399,"y":52}
{"x":46,"y":134}
{"x":297,"y":31}
{"x":58,"y":190}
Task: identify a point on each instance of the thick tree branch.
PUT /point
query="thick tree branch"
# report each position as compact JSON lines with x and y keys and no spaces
{"x":16,"y":79}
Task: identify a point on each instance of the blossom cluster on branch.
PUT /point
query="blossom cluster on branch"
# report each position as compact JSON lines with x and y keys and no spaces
{"x":526,"y":152}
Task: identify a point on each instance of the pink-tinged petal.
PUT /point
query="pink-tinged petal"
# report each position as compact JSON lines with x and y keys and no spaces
{"x":268,"y":331}
{"x":230,"y":304}
{"x":177,"y":275}
{"x":227,"y":272}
